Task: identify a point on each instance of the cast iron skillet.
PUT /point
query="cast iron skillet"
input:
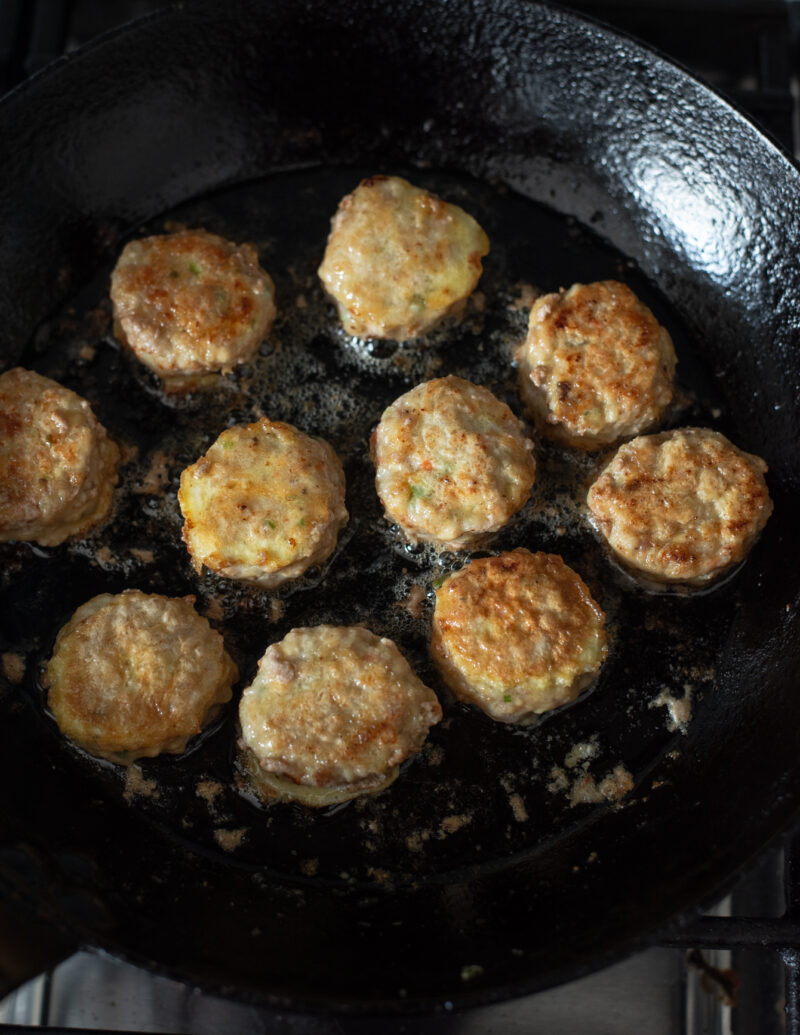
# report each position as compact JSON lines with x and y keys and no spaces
{"x":477,"y":875}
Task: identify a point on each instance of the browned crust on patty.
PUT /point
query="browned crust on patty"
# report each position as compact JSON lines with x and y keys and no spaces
{"x":58,"y":467}
{"x":596,"y":366}
{"x":264,"y":503}
{"x":335,"y":708}
{"x":399,"y":259}
{"x":191,"y":304}
{"x":452,"y":463}
{"x":681,"y":506}
{"x":136,"y":674}
{"x":517,"y":634}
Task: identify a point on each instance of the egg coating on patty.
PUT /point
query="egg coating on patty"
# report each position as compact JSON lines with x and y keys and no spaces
{"x":517,"y":635}
{"x":331,"y":714}
{"x":681,"y":506}
{"x":190,"y":305}
{"x":452,"y":463}
{"x":136,"y":675}
{"x":265,"y":503}
{"x":58,"y":467}
{"x":596,"y":366}
{"x":399,"y":259}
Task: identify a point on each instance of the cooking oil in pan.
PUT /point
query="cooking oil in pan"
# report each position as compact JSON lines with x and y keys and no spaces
{"x":479,"y":791}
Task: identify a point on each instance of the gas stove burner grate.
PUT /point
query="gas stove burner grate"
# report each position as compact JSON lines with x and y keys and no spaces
{"x":775,"y":936}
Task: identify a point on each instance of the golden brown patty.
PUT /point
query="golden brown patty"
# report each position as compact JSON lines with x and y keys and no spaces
{"x":681,"y":506}
{"x":58,"y":468}
{"x":331,"y":714}
{"x":452,"y":464}
{"x":517,"y":635}
{"x":596,"y":366}
{"x":399,"y":259}
{"x":136,"y":675}
{"x":264,"y":504}
{"x":191,"y":304}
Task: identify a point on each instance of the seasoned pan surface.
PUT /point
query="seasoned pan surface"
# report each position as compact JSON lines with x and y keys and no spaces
{"x":502,"y":859}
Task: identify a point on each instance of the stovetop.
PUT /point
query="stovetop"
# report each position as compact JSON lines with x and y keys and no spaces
{"x":736,"y":970}
{"x":727,"y":975}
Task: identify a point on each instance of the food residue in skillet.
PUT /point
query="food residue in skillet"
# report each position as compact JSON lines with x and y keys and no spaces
{"x":13,"y":666}
{"x":156,"y":476}
{"x":433,"y":753}
{"x":679,"y":709}
{"x":580,"y":786}
{"x":449,"y":825}
{"x":416,"y":841}
{"x":137,"y":785}
{"x":612,"y":788}
{"x":380,"y":876}
{"x":580,"y":754}
{"x":524,"y":297}
{"x":145,"y":556}
{"x":209,"y":791}
{"x":413,"y":601}
{"x":230,"y":840}
{"x":104,"y":557}
{"x":518,"y":808}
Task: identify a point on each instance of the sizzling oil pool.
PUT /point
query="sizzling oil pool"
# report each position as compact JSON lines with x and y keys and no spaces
{"x":480,"y":791}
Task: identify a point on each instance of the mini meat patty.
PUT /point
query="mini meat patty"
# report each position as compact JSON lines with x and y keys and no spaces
{"x":517,"y":635}
{"x":58,"y":467}
{"x":135,"y":675}
{"x":331,"y":714}
{"x":452,"y":463}
{"x":399,"y":259}
{"x":681,"y":506}
{"x":596,"y":366}
{"x":265,"y":503}
{"x":191,"y":304}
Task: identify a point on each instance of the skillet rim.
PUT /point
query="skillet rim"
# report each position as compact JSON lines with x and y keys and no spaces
{"x":484,"y":995}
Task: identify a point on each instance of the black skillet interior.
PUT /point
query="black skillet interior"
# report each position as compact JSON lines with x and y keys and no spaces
{"x":502,"y":860}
